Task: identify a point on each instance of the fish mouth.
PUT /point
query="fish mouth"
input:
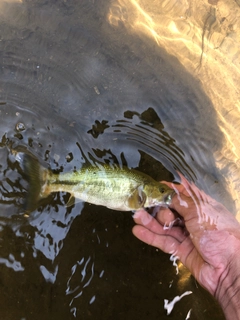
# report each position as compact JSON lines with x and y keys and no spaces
{"x":168,"y":198}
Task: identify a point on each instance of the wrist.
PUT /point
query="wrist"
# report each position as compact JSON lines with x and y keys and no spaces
{"x":228,"y":290}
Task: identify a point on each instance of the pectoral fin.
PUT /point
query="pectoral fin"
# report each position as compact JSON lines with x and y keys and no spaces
{"x":71,"y":201}
{"x":137,"y":199}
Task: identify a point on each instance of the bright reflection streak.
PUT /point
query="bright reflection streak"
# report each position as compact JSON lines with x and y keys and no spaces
{"x":5,"y":4}
{"x":151,"y":31}
{"x":173,"y":28}
{"x":206,"y":40}
{"x":170,"y":305}
{"x":142,"y":12}
{"x":184,"y":276}
{"x":189,"y":314}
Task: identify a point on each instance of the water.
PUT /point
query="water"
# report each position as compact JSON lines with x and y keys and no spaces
{"x":115,"y":82}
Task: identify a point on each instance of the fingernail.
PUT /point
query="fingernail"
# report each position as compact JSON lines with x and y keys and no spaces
{"x":146,"y":219}
{"x":137,"y":214}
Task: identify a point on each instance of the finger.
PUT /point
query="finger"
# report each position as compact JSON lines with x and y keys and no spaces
{"x":164,"y":242}
{"x":184,"y":251}
{"x":176,"y":187}
{"x":141,"y":217}
{"x":187,"y":188}
{"x":168,"y":218}
{"x":186,"y":206}
{"x":145,"y":219}
{"x":187,"y":201}
{"x":201,"y":206}
{"x":165,"y":216}
{"x":185,"y":183}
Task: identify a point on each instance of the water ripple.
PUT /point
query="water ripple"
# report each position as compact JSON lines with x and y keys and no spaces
{"x":80,"y":82}
{"x":85,"y":267}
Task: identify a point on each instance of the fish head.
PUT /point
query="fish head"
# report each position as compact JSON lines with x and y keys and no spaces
{"x":158,"y":194}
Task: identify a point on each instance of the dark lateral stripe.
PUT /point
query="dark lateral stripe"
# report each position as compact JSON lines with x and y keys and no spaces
{"x":67,"y":182}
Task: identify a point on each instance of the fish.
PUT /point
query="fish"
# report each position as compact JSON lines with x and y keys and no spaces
{"x":117,"y":188}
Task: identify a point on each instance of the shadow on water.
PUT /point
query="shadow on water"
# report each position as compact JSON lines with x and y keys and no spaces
{"x":75,"y":89}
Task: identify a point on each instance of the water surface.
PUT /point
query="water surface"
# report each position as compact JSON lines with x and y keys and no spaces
{"x":80,"y":84}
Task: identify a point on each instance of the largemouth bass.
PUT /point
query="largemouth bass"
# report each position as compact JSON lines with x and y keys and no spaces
{"x":117,"y":188}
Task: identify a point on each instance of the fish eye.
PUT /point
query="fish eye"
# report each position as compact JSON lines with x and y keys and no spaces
{"x":162,"y":189}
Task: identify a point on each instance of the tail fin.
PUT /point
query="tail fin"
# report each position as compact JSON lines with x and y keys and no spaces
{"x":33,"y":173}
{"x":31,"y":169}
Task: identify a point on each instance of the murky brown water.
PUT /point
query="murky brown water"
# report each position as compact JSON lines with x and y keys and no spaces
{"x":77,"y":85}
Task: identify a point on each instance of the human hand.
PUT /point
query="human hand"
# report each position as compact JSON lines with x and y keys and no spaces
{"x":207,"y":241}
